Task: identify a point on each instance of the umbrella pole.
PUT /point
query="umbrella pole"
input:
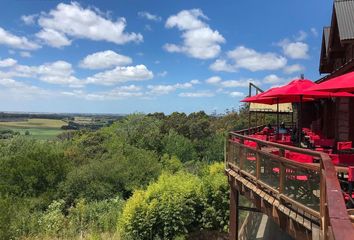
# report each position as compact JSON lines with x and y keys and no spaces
{"x":277,"y":118}
{"x":300,"y":121}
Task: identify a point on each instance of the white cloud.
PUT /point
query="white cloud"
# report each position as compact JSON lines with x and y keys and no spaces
{"x":21,"y":90}
{"x":314,"y":31}
{"x":105,"y":59}
{"x":166,"y":89}
{"x":221,"y":65}
{"x":242,"y":57}
{"x":239,"y":83}
{"x":122,"y":92}
{"x":53,"y":38}
{"x":25,"y":54}
{"x":199,"y":40}
{"x":59,"y":72}
{"x":162,"y":74}
{"x":121,"y":74}
{"x":29,"y":19}
{"x":149,"y":16}
{"x":200,"y":94}
{"x":8,"y":62}
{"x":213,"y":80}
{"x":295,"y":50}
{"x":294,"y":68}
{"x":301,"y":36}
{"x":195,"y":81}
{"x":272,"y":79}
{"x":13,"y":41}
{"x":236,"y":94}
{"x":72,"y":20}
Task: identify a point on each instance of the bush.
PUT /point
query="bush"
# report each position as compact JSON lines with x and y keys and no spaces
{"x":178,"y":205}
{"x":216,"y":193}
{"x":168,"y":208}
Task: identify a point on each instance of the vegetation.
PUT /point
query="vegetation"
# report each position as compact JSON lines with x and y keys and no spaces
{"x":143,"y":177}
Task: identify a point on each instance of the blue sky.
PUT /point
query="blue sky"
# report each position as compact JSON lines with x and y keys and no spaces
{"x":153,"y":56}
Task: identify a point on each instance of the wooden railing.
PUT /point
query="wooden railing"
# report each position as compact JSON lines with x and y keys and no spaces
{"x":311,"y":188}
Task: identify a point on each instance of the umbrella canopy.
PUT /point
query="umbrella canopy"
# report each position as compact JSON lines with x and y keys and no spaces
{"x":342,"y":83}
{"x":263,"y":98}
{"x":294,"y":88}
{"x":298,"y":90}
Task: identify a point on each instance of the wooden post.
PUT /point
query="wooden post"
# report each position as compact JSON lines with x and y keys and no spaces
{"x":300,"y":121}
{"x":258,"y":162}
{"x":234,"y":211}
{"x":277,"y":132}
{"x":282,"y":172}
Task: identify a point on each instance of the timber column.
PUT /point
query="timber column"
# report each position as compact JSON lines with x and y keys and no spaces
{"x":234,"y":198}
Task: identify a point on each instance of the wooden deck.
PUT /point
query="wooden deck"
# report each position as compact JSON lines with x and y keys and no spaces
{"x":305,"y":200}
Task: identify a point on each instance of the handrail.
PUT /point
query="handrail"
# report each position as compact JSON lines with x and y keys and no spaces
{"x":334,"y":220}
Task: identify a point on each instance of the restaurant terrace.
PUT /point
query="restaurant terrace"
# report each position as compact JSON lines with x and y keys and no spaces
{"x":301,"y":173}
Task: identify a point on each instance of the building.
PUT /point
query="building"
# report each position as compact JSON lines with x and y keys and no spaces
{"x":337,"y":58}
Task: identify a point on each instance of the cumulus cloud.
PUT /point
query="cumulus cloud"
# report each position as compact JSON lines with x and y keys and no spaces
{"x":239,"y":83}
{"x":121,"y":92}
{"x":272,"y":79}
{"x":199,"y":40}
{"x":294,"y":50}
{"x":29,"y":19}
{"x":294,"y":68}
{"x":166,"y":89}
{"x":213,"y":80}
{"x":59,"y":72}
{"x":219,"y":82}
{"x":17,"y":89}
{"x":236,"y":94}
{"x":13,"y":41}
{"x":200,"y":94}
{"x":149,"y":16}
{"x":53,"y":38}
{"x":105,"y":59}
{"x":121,"y":74}
{"x":8,"y":62}
{"x":250,"y":59}
{"x":73,"y":21}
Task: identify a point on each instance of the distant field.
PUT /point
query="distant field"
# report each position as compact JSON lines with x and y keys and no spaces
{"x":38,"y":128}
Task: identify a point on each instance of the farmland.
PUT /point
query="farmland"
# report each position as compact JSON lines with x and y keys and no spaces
{"x":39,"y":128}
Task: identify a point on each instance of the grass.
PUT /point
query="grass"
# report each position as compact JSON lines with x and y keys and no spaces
{"x":39,"y":128}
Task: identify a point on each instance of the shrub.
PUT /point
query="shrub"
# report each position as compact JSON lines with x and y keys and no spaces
{"x":168,"y":208}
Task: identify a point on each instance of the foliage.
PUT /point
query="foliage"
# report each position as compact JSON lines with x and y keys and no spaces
{"x":31,"y":168}
{"x":74,"y":187}
{"x":112,"y":175}
{"x":179,"y":146}
{"x":168,"y":208}
{"x":177,"y":205}
{"x":216,"y":193}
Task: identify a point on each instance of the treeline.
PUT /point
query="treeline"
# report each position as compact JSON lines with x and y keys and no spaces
{"x":150,"y":176}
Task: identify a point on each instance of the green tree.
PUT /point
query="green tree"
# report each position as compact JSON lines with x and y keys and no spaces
{"x":177,"y":145}
{"x":31,"y":168}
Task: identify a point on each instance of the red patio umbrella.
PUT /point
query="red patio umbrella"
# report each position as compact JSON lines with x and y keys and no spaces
{"x":342,"y":83}
{"x":300,"y":89}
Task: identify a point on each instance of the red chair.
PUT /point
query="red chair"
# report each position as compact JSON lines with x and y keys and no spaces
{"x":342,"y":159}
{"x":299,"y":157}
{"x":344,"y":145}
{"x":250,"y":144}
